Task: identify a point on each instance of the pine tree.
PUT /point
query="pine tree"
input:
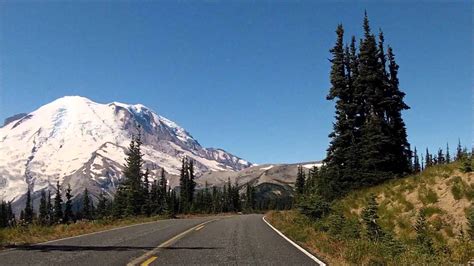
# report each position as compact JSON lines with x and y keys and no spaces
{"x":10,"y":215}
{"x":459,"y":153}
{"x":86,"y":205}
{"x":422,"y":236}
{"x":300,"y":181}
{"x":102,"y":206}
{"x":416,"y":163}
{"x":58,"y":208}
{"x":441,"y":159}
{"x":395,"y":105}
{"x":49,"y":207}
{"x":184,"y":186}
{"x":28,"y":212}
{"x":448,"y":156}
{"x":162,"y":189}
{"x":3,"y":214}
{"x":428,"y":159}
{"x":129,"y":199}
{"x":370,"y":218}
{"x":147,"y":206}
{"x":466,"y":163}
{"x":43,"y":209}
{"x":68,"y":214}
{"x":191,"y":182}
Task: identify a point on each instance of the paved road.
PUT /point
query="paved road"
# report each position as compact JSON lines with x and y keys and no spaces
{"x":240,"y":239}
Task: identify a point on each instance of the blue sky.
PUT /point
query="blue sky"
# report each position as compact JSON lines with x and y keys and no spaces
{"x":247,"y":76}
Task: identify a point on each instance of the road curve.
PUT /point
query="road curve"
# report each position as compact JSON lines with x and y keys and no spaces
{"x":239,"y":239}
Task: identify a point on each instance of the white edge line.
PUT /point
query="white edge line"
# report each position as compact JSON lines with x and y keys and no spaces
{"x":294,"y":244}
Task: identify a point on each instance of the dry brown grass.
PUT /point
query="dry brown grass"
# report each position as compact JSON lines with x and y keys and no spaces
{"x":31,"y":234}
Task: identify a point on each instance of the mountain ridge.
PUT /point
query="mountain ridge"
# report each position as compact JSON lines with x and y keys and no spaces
{"x":75,"y":141}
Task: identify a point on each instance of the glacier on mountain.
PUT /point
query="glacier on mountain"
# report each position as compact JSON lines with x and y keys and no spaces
{"x":82,"y":143}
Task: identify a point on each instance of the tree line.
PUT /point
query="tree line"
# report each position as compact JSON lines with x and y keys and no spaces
{"x":137,"y":195}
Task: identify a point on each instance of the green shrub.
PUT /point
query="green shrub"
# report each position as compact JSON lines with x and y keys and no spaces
{"x":427,"y":196}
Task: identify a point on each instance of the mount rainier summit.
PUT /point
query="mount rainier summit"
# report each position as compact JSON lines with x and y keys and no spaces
{"x":82,"y":143}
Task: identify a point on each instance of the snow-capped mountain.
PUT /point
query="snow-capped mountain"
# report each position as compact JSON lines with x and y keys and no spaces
{"x":78,"y":142}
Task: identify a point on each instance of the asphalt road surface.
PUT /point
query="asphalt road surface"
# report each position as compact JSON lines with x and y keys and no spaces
{"x":235,"y":240}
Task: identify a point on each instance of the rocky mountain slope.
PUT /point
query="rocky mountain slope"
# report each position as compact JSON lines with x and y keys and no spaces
{"x":78,"y":142}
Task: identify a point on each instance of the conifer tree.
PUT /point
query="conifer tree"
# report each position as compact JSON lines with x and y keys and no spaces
{"x":3,"y":214}
{"x":10,"y":215}
{"x":191,"y":182}
{"x":428,"y":159}
{"x":448,"y":156}
{"x":162,"y":189}
{"x":422,"y":236}
{"x":422,"y":163}
{"x":86,"y":205}
{"x":416,"y":163}
{"x":58,"y":202}
{"x":441,"y":159}
{"x":467,"y":163}
{"x":43,"y":209}
{"x":49,"y":206}
{"x":249,"y":197}
{"x":129,"y":199}
{"x":155,"y":197}
{"x":147,"y":206}
{"x":370,"y":218}
{"x":68,"y":214}
{"x":184,"y":186}
{"x":28,"y":212}
{"x":394,"y":97}
{"x":459,"y":153}
{"x":300,"y":181}
{"x":102,"y":206}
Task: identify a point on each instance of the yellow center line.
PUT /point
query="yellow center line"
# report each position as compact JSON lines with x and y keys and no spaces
{"x":148,"y":261}
{"x":199,"y":228}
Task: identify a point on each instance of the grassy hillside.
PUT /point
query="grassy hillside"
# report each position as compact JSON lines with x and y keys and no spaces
{"x":444,"y":195}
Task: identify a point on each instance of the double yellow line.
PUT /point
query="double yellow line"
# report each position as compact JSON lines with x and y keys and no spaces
{"x":147,"y":258}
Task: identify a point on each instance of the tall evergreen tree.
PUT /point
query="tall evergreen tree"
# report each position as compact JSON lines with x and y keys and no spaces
{"x":49,"y":206}
{"x":43,"y":209}
{"x":191,"y":182}
{"x":441,"y":159}
{"x":10,"y":215}
{"x":416,"y":162}
{"x":28,"y":212}
{"x":129,"y":199}
{"x":68,"y":214}
{"x":428,"y":159}
{"x":448,"y":156}
{"x":300,"y":181}
{"x":58,"y":202}
{"x":87,"y":205}
{"x":147,"y":206}
{"x":459,"y":153}
{"x":3,"y":214}
{"x":394,"y":98}
{"x":184,"y":186}
{"x":102,"y":206}
{"x":162,"y":189}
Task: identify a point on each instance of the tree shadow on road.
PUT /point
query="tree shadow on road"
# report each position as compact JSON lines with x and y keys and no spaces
{"x":71,"y":248}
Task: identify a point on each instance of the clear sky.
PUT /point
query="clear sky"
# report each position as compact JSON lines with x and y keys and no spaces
{"x":248,"y":76}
